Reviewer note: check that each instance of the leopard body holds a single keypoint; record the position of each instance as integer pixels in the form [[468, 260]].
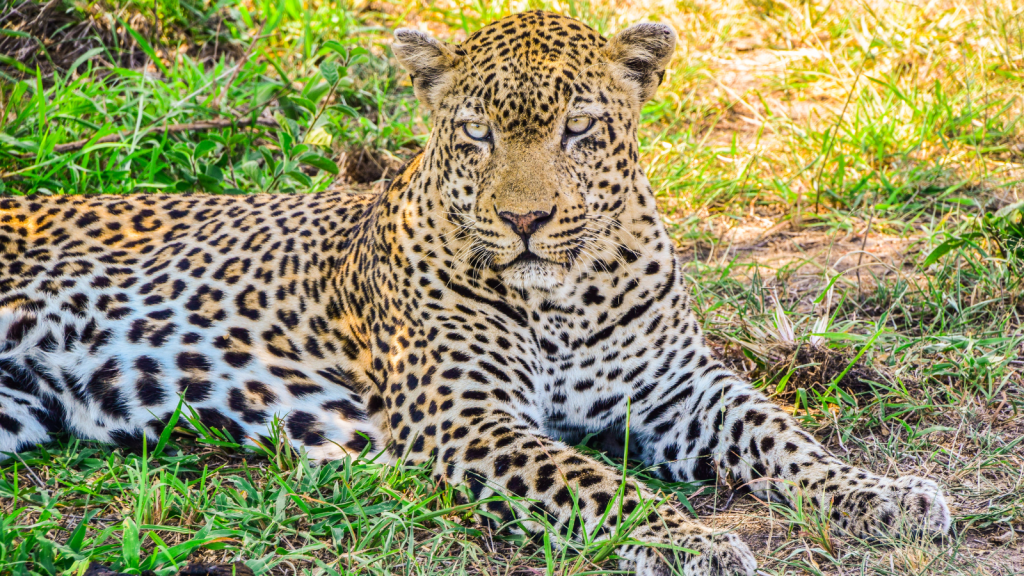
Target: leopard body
[[512, 290]]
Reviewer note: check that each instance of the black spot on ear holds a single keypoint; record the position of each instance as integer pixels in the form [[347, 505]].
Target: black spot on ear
[[643, 51]]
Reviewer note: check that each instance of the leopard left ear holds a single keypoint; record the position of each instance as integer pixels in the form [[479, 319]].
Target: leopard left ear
[[428, 60], [639, 55]]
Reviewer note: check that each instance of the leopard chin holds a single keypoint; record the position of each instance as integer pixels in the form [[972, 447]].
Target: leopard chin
[[534, 274]]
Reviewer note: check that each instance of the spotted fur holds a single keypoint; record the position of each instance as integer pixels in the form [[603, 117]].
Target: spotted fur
[[507, 294]]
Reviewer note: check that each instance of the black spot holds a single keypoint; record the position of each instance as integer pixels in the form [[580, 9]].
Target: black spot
[[237, 359], [195, 389], [563, 497], [238, 402], [601, 500], [147, 365], [502, 464], [51, 415], [160, 337], [19, 328], [671, 452], [705, 469], [149, 391], [755, 417], [359, 443], [477, 452], [346, 409], [265, 394], [213, 418], [138, 330], [737, 430], [299, 390], [9, 424], [593, 296], [193, 361], [305, 427], [131, 439], [517, 487], [17, 377], [103, 387]]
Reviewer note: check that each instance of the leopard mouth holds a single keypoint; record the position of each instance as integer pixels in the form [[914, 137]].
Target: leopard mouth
[[528, 271], [528, 258]]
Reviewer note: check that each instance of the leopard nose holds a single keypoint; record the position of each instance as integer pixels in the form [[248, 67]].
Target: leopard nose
[[526, 224]]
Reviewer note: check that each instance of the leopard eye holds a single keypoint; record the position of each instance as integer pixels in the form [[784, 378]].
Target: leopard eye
[[579, 124], [477, 131]]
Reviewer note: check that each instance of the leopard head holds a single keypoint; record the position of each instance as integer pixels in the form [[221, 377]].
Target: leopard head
[[533, 152]]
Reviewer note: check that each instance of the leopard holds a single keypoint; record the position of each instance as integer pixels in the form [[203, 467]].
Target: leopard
[[512, 290]]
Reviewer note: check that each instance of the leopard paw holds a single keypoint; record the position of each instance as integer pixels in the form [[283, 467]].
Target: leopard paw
[[906, 505], [718, 554]]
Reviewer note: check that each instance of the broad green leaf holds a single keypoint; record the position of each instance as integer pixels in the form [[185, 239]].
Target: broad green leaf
[[304, 103], [204, 148], [346, 110], [318, 137], [317, 161], [330, 72], [336, 47], [300, 177]]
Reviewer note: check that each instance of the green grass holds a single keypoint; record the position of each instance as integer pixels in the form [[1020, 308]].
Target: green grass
[[207, 499], [871, 147]]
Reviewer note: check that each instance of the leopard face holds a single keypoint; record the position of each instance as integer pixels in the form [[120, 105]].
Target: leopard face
[[534, 145]]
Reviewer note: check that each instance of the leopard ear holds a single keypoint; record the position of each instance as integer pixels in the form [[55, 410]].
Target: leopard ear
[[428, 60], [639, 55]]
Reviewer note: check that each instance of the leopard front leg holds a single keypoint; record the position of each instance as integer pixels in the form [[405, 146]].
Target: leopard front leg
[[484, 436], [721, 425], [491, 450]]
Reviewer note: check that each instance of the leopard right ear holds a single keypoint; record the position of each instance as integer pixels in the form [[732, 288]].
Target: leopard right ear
[[428, 60], [639, 55]]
